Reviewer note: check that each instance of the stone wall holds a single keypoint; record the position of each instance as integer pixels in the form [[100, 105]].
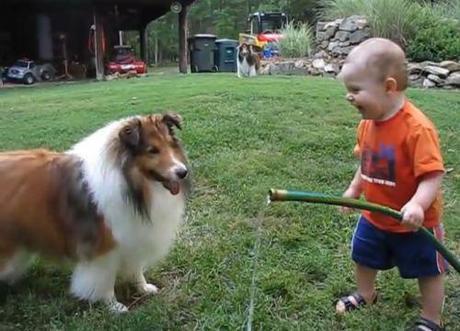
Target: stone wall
[[337, 38], [334, 41], [445, 74]]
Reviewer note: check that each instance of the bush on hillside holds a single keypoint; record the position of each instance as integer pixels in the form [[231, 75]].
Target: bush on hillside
[[437, 39], [297, 40]]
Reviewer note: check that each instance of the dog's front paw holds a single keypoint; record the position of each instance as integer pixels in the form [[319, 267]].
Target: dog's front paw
[[117, 307], [148, 289]]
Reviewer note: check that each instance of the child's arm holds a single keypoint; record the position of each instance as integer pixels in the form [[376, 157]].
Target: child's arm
[[354, 190], [427, 190]]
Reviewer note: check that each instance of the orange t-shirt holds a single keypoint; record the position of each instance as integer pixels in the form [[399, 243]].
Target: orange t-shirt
[[394, 154]]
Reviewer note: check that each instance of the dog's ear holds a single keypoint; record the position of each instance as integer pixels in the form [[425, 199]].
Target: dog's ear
[[172, 120], [130, 134]]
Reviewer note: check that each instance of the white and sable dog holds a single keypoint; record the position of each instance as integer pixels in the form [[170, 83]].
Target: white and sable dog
[[248, 61], [112, 203]]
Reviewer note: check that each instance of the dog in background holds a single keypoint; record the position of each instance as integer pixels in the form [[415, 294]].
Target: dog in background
[[112, 203], [248, 61]]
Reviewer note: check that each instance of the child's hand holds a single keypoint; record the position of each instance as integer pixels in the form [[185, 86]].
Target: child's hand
[[353, 193], [413, 215]]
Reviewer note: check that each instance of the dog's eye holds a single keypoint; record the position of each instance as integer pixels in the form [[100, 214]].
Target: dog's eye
[[152, 150]]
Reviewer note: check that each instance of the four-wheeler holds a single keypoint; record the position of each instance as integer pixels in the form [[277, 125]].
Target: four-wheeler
[[28, 71]]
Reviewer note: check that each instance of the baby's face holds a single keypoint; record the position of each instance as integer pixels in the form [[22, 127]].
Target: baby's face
[[365, 92]]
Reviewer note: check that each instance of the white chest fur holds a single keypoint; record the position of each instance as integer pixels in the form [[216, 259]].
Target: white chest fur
[[143, 241], [149, 240], [245, 69]]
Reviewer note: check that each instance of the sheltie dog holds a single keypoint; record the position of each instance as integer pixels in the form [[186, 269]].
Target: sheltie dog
[[248, 61], [112, 203]]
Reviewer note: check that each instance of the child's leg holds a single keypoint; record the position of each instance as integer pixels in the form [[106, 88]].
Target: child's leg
[[365, 280], [432, 290], [417, 258], [370, 254]]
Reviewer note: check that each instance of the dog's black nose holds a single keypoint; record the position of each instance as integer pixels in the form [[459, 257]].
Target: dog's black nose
[[181, 173]]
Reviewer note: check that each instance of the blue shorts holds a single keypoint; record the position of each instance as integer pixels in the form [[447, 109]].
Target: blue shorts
[[411, 252]]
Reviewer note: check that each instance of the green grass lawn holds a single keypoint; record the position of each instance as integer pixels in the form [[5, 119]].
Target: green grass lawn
[[242, 137]]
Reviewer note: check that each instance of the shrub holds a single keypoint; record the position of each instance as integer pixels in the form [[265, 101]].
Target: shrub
[[448, 9], [333, 9], [297, 40], [436, 39], [393, 19]]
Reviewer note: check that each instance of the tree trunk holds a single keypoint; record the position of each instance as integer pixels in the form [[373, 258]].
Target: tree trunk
[[183, 33], [98, 44], [156, 50]]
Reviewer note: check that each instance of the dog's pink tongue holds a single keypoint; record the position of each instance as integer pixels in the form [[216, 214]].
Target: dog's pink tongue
[[173, 187]]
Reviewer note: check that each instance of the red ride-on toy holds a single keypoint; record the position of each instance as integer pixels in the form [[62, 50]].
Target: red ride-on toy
[[124, 60]]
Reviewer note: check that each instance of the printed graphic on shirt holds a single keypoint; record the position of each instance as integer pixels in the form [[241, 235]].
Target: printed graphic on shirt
[[378, 167]]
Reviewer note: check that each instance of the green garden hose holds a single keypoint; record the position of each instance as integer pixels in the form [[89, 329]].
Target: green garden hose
[[287, 195]]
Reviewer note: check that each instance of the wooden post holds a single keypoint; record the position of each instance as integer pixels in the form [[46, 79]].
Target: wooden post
[[144, 44], [98, 45], [183, 47]]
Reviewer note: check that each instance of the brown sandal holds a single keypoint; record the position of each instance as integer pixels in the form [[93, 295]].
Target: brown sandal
[[352, 302]]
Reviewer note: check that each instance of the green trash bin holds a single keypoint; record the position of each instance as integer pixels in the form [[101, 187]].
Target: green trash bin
[[202, 48], [225, 55]]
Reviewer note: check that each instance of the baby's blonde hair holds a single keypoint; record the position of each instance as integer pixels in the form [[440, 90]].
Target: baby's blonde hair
[[383, 58]]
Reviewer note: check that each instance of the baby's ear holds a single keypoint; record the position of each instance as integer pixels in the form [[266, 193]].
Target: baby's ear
[[391, 85]]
